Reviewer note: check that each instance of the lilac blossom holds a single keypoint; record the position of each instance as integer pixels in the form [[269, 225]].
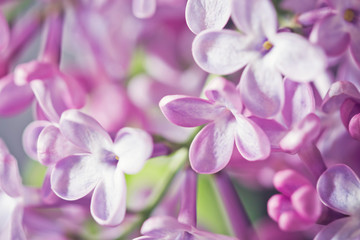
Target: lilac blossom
[[337, 27], [211, 149], [298, 207], [100, 166], [265, 53], [338, 189]]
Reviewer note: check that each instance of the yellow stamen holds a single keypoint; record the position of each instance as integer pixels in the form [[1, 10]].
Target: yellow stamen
[[267, 45], [349, 15], [117, 158]]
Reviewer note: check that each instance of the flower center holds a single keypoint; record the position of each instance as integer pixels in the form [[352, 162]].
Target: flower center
[[116, 157], [267, 45], [349, 15]]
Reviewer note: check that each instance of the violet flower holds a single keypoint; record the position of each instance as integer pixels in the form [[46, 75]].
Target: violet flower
[[338, 27], [298, 207], [211, 149], [266, 54], [339, 189], [101, 165]]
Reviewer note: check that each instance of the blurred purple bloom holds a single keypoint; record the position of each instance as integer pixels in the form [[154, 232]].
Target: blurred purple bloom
[[266, 54], [339, 189], [211, 149], [100, 166], [298, 207], [338, 28]]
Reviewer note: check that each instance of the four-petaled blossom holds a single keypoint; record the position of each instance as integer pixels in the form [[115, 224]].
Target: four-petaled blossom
[[339, 189], [266, 53], [338, 28], [100, 166], [298, 207], [211, 149]]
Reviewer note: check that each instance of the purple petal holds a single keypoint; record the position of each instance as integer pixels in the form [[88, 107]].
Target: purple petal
[[223, 92], [290, 221], [273, 130], [10, 180], [306, 203], [162, 226], [34, 70], [41, 90], [75, 176], [13, 98], [17, 230], [108, 204], [7, 208], [255, 17], [84, 131], [297, 58], [297, 6], [212, 147], [262, 89], [4, 33], [339, 189], [288, 181], [188, 111], [354, 127], [277, 205], [355, 46], [299, 102], [210, 14], [301, 134], [344, 228], [250, 139], [143, 8], [52, 146], [133, 147], [337, 94], [331, 35], [222, 52], [31, 135], [202, 235]]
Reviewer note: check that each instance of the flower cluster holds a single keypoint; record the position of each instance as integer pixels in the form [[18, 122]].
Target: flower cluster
[[180, 119]]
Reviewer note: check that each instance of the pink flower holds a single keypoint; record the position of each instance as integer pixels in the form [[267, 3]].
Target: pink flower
[[211, 149], [101, 165], [298, 207]]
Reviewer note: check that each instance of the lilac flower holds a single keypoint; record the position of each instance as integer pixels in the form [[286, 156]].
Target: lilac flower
[[100, 166], [211, 149], [346, 97], [266, 54], [338, 28], [298, 207], [339, 189]]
